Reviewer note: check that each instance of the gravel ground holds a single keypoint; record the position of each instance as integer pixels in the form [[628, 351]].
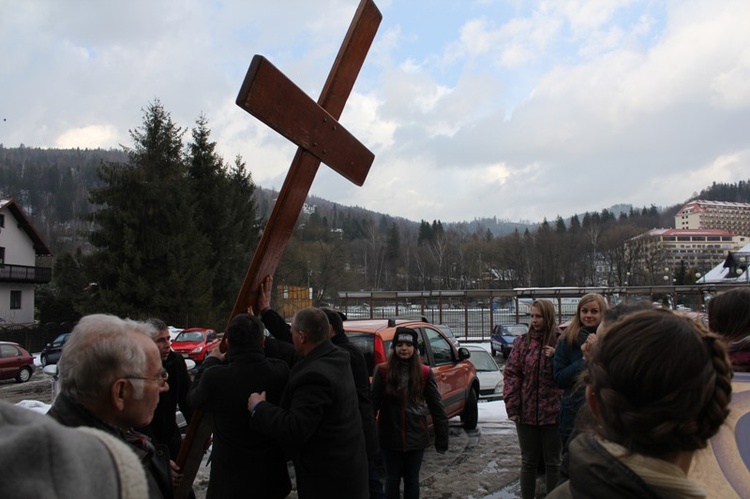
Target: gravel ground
[[479, 464]]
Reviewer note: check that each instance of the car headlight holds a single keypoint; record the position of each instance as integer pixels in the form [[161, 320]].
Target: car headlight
[[197, 350], [499, 387]]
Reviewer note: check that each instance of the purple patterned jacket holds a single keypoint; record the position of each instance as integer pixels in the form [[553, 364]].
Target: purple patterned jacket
[[529, 391]]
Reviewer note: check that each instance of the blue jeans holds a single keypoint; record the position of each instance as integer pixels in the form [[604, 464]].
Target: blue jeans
[[400, 464]]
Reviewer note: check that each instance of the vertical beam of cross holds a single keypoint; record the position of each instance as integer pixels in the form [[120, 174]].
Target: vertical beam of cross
[[271, 97]]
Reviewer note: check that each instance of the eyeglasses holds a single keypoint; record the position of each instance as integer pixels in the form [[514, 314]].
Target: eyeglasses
[[161, 378]]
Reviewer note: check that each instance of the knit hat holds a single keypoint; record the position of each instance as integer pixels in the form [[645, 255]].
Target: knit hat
[[404, 335], [40, 457]]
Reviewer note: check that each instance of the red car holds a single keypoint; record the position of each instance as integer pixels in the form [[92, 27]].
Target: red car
[[454, 373], [15, 362], [195, 343]]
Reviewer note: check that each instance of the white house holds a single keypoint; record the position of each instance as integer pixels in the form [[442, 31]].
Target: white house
[[19, 246]]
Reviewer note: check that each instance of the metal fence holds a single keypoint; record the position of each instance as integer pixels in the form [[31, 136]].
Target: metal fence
[[33, 337], [472, 314]]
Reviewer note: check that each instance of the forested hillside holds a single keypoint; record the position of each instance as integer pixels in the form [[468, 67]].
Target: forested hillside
[[167, 227]]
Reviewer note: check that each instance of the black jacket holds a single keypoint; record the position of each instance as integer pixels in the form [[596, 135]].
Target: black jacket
[[154, 457], [279, 345], [595, 473], [244, 462], [402, 427], [362, 384], [318, 422], [279, 348], [163, 428]]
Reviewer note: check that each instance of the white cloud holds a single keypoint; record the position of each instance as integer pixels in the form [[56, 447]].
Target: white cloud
[[88, 137], [509, 109]]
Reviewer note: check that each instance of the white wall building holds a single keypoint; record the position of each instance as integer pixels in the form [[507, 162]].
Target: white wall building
[[661, 252], [19, 246], [724, 215]]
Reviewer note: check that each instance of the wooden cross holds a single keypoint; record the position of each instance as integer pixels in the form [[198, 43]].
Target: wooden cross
[[272, 98]]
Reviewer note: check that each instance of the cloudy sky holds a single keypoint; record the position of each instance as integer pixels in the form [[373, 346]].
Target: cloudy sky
[[473, 108]]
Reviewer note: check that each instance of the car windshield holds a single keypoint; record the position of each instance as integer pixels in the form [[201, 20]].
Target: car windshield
[[60, 340], [189, 336], [446, 330], [365, 342], [516, 330], [482, 360]]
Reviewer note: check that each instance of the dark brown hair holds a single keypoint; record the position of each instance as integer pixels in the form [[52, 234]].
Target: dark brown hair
[[415, 385], [662, 382], [729, 314]]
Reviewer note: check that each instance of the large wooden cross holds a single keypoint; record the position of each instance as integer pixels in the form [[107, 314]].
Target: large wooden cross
[[272, 98]]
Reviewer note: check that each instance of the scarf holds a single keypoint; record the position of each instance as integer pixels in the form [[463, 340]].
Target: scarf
[[666, 478]]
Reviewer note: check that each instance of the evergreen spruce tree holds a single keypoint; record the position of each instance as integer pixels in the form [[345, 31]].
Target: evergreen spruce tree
[[226, 214], [150, 257]]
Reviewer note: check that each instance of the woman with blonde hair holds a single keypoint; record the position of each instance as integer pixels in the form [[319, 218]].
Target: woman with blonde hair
[[569, 359], [532, 400], [658, 387]]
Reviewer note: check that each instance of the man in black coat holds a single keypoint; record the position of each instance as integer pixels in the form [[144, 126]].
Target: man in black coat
[[163, 427], [245, 462], [318, 419], [361, 378]]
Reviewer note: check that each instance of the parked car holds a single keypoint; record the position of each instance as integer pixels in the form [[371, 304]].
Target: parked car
[[503, 336], [173, 332], [195, 343], [15, 362], [51, 353], [455, 375], [448, 332], [488, 372]]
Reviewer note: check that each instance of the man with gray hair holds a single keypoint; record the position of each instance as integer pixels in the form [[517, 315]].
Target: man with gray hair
[[110, 379], [163, 428], [318, 419]]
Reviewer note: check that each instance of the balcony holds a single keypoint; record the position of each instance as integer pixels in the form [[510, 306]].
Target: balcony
[[25, 274]]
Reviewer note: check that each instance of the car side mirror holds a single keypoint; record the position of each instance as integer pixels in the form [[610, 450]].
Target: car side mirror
[[463, 353]]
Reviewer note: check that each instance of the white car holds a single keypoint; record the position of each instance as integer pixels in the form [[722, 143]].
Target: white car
[[173, 332], [488, 372]]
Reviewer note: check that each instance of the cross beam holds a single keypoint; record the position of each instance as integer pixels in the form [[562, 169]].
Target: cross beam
[[318, 139]]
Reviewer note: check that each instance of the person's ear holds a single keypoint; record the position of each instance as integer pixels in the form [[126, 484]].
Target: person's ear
[[118, 393], [593, 403]]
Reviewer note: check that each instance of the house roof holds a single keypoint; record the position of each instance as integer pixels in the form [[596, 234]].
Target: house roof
[[24, 223], [689, 232], [723, 271], [700, 205]]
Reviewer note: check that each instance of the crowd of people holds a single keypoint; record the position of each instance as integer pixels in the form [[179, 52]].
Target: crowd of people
[[617, 405], [301, 395]]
